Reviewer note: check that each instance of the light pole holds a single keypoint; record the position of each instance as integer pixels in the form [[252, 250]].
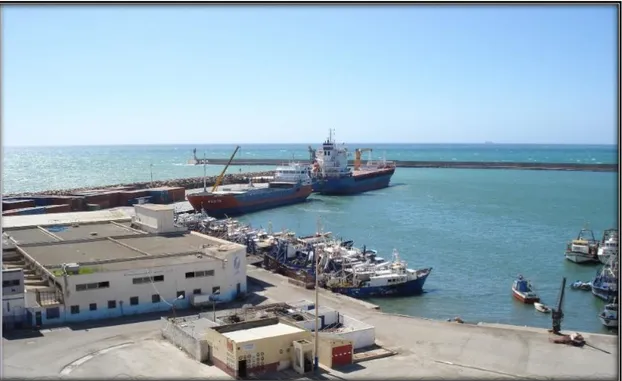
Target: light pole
[[180, 297], [151, 171], [214, 297]]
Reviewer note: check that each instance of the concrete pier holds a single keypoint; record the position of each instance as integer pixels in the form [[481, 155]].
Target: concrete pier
[[454, 164], [128, 348]]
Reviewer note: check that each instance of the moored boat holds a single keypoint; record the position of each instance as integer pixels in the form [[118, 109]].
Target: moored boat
[[332, 176], [523, 291], [608, 246], [392, 279], [605, 284], [579, 285], [291, 185], [542, 308], [609, 315], [583, 249]]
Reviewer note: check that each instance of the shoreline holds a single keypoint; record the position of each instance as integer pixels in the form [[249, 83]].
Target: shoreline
[[451, 164]]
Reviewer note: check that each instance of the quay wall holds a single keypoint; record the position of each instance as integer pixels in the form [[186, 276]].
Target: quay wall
[[187, 183], [454, 164]]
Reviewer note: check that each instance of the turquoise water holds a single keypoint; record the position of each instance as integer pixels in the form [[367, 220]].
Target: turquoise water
[[477, 228], [43, 168]]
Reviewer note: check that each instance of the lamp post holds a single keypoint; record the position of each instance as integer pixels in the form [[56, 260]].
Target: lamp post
[[151, 171], [180, 297], [214, 297]]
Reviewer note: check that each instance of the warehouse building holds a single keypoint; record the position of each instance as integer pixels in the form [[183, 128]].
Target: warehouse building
[[106, 269], [13, 298]]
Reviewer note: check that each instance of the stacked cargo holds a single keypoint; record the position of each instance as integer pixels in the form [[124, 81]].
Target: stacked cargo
[[11, 204], [61, 208], [103, 199], [127, 195], [167, 195], [25, 211]]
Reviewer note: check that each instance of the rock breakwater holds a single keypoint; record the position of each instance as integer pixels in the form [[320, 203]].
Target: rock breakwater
[[187, 183]]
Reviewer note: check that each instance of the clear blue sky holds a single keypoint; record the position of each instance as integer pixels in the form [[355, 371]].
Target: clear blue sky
[[205, 74]]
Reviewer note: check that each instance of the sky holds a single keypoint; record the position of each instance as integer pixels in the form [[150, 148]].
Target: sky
[[101, 75]]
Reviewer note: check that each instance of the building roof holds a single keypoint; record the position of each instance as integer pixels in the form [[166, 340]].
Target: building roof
[[70, 232], [259, 333], [116, 214], [55, 254]]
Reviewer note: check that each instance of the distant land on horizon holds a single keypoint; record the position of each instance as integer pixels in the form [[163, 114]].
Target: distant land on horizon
[[487, 143]]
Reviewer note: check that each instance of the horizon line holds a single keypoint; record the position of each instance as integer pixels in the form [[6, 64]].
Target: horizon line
[[307, 143]]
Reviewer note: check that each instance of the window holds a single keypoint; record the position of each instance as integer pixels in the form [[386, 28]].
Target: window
[[112, 304], [196, 291], [198, 274], [93, 307], [75, 310], [181, 294], [216, 290], [10, 283], [52, 313], [92, 286], [148, 279], [155, 298], [134, 301]]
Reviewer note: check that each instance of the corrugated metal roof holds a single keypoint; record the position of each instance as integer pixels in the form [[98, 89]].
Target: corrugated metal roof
[[259, 333], [116, 214]]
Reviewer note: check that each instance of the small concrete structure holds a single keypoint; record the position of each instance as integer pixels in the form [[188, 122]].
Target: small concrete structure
[[108, 269], [13, 298]]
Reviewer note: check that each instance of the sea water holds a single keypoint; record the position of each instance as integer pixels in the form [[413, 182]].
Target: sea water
[[478, 229]]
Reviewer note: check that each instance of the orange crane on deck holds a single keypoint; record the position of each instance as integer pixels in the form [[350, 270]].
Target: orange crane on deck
[[357, 157]]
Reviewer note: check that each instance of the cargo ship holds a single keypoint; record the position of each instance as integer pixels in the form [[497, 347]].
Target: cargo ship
[[332, 176], [291, 185]]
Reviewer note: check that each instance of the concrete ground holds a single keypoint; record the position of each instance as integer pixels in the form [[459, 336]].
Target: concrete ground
[[425, 348]]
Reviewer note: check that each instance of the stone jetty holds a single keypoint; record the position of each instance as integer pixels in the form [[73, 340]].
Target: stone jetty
[[187, 183]]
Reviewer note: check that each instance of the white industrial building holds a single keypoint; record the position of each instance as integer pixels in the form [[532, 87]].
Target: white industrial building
[[105, 269], [13, 298]]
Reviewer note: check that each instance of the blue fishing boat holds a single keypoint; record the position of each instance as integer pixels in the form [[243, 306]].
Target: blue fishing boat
[[605, 284], [332, 176], [393, 279]]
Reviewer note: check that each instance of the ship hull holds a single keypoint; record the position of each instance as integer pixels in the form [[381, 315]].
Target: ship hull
[[580, 257], [521, 297], [236, 204], [605, 294], [361, 181], [410, 288]]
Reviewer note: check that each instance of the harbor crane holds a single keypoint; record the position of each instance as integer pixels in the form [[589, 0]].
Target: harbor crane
[[557, 315], [357, 157], [222, 174]]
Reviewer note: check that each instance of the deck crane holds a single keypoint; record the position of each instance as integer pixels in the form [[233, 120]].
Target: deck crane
[[222, 174], [557, 315], [357, 157]]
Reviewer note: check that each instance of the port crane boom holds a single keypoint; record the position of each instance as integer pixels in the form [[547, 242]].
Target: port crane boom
[[222, 174], [357, 157]]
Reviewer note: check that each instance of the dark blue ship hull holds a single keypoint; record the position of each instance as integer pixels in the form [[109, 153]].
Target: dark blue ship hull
[[357, 183], [605, 294], [413, 287]]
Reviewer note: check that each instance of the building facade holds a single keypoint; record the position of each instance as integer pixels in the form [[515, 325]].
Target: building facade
[[13, 298]]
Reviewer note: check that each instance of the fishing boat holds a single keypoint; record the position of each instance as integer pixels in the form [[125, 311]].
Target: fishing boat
[[332, 176], [542, 308], [609, 315], [291, 185], [392, 279], [583, 249], [608, 246], [579, 285], [605, 284], [523, 291]]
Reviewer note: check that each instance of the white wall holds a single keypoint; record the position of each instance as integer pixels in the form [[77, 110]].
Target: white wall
[[122, 287], [330, 316], [155, 219], [362, 335]]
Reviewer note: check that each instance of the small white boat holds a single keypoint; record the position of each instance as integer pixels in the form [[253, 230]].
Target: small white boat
[[609, 316], [542, 308], [609, 246], [578, 285], [584, 248]]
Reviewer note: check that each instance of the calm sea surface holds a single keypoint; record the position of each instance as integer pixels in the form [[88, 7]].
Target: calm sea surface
[[478, 229]]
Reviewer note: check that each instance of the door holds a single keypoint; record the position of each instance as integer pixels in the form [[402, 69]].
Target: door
[[38, 320], [342, 355], [242, 368]]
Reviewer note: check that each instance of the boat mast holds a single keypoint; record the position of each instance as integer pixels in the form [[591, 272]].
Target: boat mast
[[204, 170]]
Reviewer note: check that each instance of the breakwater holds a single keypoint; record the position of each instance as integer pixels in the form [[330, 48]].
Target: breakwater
[[454, 164], [187, 183]]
